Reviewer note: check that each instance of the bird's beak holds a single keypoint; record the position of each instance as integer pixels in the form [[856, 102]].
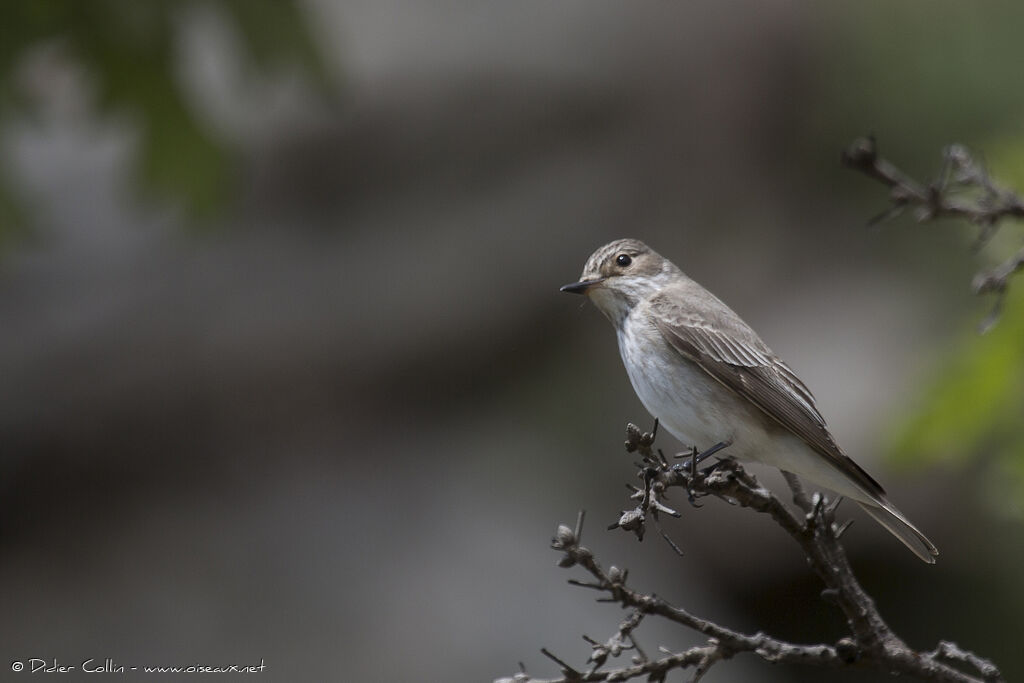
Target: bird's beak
[[580, 287]]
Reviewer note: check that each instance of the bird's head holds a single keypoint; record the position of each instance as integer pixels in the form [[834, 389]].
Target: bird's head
[[620, 274]]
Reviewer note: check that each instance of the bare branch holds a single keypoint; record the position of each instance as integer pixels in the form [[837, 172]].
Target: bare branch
[[964, 190], [996, 281], [952, 652], [871, 643]]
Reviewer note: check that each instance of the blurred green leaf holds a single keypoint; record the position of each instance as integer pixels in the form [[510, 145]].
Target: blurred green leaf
[[972, 410], [975, 401], [12, 216], [274, 33], [128, 49]]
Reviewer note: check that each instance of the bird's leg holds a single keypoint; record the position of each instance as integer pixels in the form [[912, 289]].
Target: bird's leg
[[691, 493], [695, 459]]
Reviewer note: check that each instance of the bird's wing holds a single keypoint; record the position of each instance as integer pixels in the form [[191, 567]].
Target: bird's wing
[[728, 350]]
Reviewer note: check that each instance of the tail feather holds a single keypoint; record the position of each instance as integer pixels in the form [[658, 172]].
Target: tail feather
[[899, 526]]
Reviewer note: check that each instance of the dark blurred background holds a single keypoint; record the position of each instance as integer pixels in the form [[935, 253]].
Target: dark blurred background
[[286, 373]]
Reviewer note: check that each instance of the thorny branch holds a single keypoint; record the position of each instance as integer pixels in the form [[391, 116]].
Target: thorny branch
[[870, 645], [963, 190]]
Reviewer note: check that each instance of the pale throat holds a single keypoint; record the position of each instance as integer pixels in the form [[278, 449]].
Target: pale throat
[[618, 300]]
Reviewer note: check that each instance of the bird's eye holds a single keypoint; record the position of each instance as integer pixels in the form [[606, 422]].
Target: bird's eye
[[623, 260]]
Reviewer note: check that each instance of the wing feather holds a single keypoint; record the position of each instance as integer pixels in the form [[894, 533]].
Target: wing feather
[[729, 351]]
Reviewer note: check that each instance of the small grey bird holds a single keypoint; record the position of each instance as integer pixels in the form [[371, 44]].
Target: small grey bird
[[710, 380]]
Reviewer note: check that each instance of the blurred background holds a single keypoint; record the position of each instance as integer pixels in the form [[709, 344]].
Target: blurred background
[[286, 373]]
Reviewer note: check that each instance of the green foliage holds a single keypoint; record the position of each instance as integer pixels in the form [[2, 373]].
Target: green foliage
[[11, 214], [128, 49], [973, 408], [973, 405], [275, 31], [923, 74]]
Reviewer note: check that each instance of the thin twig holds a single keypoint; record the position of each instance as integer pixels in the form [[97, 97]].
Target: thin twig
[[963, 190], [871, 644]]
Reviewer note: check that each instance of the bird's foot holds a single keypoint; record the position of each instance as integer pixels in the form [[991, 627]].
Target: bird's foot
[[690, 467]]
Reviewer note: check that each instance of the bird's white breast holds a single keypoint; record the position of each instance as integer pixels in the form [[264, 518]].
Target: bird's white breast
[[701, 412], [682, 396], [697, 409]]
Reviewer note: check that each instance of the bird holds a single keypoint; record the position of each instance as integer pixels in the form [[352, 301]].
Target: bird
[[708, 378]]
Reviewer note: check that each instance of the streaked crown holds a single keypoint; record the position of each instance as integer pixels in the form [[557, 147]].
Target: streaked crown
[[622, 257]]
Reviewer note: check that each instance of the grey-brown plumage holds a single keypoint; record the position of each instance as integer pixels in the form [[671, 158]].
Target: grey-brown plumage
[[729, 351], [709, 378]]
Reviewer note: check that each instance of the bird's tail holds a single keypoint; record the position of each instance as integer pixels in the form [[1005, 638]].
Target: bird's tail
[[886, 514]]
